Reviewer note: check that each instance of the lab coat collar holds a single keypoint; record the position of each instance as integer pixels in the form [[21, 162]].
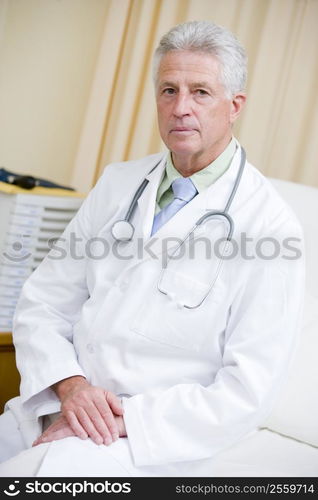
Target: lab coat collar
[[147, 201]]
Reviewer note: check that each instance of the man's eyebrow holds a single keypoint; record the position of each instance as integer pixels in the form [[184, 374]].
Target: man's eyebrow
[[203, 84], [200, 84], [166, 83]]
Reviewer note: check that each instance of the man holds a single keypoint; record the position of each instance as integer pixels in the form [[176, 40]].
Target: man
[[162, 368]]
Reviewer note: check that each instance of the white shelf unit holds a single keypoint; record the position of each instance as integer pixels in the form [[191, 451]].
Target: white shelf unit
[[27, 223]]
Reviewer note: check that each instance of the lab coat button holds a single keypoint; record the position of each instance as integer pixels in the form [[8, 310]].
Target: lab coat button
[[90, 348]]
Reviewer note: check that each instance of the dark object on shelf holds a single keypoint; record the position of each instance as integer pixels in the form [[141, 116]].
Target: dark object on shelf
[[28, 181]]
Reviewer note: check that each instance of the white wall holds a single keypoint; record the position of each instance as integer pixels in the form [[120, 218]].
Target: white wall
[[48, 52]]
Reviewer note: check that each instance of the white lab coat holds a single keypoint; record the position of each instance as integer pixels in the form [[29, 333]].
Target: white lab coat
[[197, 379]]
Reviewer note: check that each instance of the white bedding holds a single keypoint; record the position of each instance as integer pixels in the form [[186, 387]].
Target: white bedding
[[262, 454], [268, 454]]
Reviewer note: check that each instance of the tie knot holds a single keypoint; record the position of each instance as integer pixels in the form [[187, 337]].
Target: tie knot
[[183, 189]]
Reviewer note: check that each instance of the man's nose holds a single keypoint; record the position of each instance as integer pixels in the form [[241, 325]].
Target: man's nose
[[182, 105]]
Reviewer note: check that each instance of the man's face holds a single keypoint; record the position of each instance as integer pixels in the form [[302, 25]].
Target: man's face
[[195, 117]]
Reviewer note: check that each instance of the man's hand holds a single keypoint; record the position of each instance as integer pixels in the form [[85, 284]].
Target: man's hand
[[60, 429], [121, 426], [90, 411]]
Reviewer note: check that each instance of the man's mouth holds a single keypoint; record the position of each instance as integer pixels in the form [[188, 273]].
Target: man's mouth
[[182, 130]]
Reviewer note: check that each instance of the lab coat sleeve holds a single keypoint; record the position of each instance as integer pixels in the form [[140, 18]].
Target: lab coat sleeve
[[49, 306], [190, 422]]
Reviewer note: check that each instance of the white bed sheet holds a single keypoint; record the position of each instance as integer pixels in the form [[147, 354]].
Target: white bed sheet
[[268, 454], [261, 454]]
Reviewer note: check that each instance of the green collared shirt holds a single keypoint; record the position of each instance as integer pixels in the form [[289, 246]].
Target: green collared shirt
[[201, 179]]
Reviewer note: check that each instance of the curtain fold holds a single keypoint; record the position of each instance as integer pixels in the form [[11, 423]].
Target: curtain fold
[[279, 126]]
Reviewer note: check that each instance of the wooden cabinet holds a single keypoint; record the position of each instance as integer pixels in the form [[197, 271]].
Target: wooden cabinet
[[9, 375]]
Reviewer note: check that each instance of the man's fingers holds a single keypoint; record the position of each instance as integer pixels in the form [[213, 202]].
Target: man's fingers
[[37, 441], [91, 411], [75, 425], [101, 425], [53, 436], [114, 403], [58, 430], [108, 419], [91, 422]]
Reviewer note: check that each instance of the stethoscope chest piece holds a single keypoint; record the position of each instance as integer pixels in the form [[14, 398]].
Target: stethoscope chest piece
[[122, 230]]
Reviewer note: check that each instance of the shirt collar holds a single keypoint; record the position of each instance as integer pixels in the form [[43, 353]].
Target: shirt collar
[[203, 178]]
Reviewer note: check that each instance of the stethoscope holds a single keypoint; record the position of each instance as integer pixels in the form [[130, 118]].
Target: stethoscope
[[123, 230]]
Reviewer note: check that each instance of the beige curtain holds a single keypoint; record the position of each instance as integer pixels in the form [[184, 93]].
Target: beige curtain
[[279, 126]]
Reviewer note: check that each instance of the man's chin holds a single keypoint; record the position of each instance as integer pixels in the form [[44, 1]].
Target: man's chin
[[183, 151], [183, 145]]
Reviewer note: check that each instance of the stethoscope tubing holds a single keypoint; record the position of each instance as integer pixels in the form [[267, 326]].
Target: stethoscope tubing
[[211, 213], [143, 185]]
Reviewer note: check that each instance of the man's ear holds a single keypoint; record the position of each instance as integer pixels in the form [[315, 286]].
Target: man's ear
[[237, 104]]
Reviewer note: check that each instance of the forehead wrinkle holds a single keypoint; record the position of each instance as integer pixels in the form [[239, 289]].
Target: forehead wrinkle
[[199, 63]]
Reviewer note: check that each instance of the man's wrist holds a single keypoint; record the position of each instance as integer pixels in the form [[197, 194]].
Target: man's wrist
[[63, 387]]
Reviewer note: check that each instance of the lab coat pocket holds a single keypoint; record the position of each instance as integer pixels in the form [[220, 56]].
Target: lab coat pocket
[[164, 319]]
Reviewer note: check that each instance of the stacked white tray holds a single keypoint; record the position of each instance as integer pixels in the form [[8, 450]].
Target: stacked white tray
[[27, 224]]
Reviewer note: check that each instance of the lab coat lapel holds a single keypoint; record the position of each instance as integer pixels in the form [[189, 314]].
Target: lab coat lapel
[[147, 201], [143, 217], [218, 193]]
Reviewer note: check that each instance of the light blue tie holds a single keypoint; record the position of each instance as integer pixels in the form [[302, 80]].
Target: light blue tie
[[183, 191]]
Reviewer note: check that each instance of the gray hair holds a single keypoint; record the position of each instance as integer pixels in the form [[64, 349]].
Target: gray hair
[[207, 37]]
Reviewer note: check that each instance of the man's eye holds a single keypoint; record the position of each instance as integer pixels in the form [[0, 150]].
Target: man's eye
[[201, 92], [168, 91]]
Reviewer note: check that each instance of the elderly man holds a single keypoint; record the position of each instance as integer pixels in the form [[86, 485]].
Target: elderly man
[[161, 354]]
